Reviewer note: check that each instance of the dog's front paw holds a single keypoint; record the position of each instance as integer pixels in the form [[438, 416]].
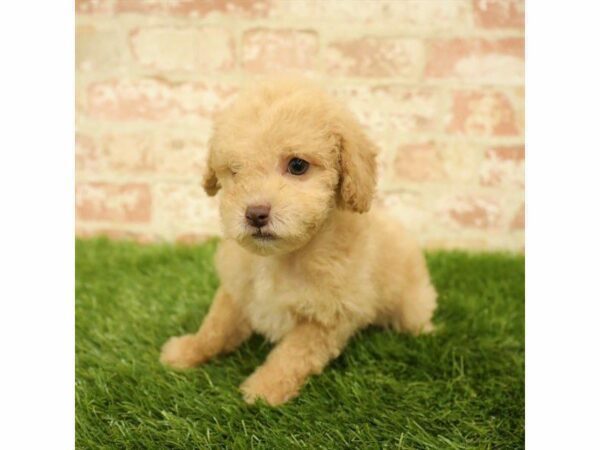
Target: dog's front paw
[[182, 352], [273, 388]]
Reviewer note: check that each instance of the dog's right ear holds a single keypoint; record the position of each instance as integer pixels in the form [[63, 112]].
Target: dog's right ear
[[358, 167], [210, 183]]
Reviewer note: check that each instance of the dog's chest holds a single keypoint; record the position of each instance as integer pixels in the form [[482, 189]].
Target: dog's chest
[[275, 298]]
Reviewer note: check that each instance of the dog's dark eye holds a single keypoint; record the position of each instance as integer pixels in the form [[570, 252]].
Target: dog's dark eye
[[297, 166]]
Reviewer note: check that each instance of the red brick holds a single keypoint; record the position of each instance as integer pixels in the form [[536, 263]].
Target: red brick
[[203, 49], [293, 10], [116, 153], [474, 212], [412, 208], [435, 161], [405, 110], [181, 157], [129, 202], [93, 6], [485, 113], [153, 99], [141, 153], [139, 6], [97, 50], [376, 57], [476, 59], [185, 208], [427, 14], [266, 51], [518, 221], [236, 8], [136, 153], [418, 162], [80, 98], [504, 166], [499, 13], [130, 152], [86, 153]]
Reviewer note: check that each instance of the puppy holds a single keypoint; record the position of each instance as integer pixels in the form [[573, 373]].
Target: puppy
[[302, 262]]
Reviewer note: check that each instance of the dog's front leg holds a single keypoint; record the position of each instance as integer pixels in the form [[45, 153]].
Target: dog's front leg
[[224, 328], [306, 350]]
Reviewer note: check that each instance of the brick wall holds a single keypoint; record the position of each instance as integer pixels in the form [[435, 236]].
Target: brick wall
[[438, 84]]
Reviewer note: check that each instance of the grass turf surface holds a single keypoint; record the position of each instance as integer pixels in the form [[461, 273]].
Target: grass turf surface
[[460, 388]]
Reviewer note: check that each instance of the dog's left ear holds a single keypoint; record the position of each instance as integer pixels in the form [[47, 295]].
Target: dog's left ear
[[210, 182], [358, 166]]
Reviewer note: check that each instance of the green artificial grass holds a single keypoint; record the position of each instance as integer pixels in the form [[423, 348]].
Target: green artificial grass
[[461, 388]]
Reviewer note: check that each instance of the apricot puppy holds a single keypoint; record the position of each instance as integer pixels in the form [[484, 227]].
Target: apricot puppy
[[302, 262]]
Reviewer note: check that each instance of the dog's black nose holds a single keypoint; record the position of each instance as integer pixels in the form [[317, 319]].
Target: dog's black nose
[[258, 215]]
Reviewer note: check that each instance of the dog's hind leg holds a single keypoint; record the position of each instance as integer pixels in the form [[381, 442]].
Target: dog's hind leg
[[412, 310]]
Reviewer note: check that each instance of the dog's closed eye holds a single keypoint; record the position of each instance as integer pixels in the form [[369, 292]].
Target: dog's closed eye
[[233, 169]]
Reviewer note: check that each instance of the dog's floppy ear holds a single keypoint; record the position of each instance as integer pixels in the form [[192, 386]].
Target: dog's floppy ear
[[358, 166], [210, 182]]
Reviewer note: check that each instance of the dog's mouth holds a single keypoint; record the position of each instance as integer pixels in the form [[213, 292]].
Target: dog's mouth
[[263, 236]]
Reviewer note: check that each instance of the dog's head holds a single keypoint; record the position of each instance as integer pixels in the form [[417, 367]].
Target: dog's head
[[285, 154]]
